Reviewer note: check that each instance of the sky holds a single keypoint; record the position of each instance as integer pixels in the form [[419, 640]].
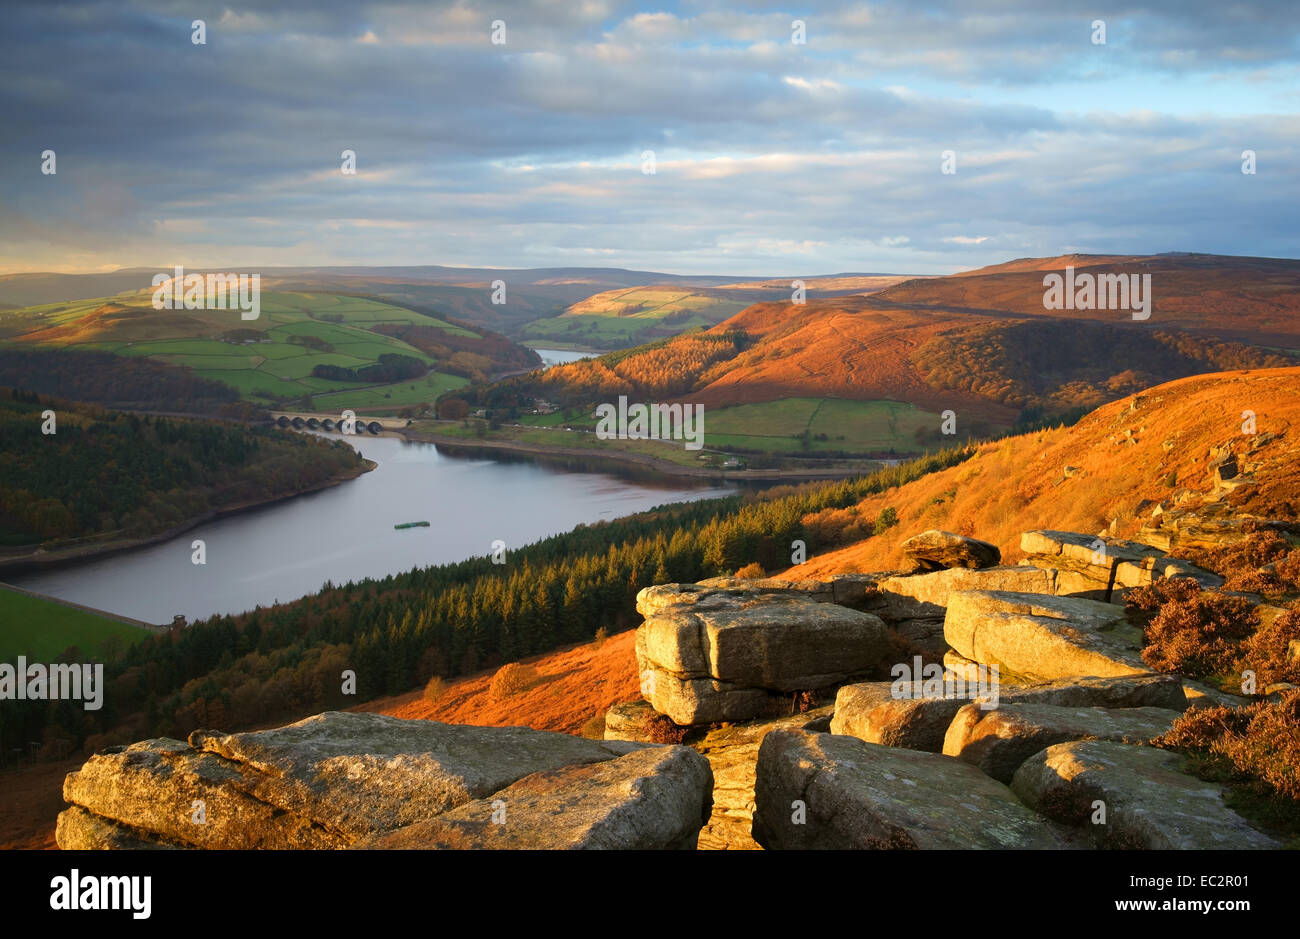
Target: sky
[[770, 156]]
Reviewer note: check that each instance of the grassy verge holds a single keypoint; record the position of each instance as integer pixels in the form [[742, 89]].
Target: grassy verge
[[41, 629]]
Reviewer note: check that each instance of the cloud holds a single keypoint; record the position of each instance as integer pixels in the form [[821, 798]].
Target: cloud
[[530, 152]]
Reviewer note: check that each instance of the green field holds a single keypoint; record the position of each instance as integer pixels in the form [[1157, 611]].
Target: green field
[[619, 319], [379, 400], [41, 630], [854, 426], [669, 450], [607, 332], [778, 426], [269, 367]]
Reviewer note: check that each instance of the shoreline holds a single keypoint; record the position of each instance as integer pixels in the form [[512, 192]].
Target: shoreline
[[639, 460], [51, 560]]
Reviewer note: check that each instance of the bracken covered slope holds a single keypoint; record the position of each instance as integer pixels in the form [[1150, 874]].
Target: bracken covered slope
[[1114, 466]]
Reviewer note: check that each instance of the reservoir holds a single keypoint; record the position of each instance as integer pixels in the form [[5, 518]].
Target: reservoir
[[289, 549], [562, 356]]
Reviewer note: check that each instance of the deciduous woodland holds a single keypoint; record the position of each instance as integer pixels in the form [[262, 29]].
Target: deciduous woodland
[[119, 475]]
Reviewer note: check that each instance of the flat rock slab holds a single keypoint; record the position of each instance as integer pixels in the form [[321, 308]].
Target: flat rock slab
[[997, 741], [819, 590], [1037, 637], [1201, 695], [649, 799], [360, 773], [1150, 690], [720, 655], [1150, 802], [324, 782], [855, 795], [937, 550], [152, 787]]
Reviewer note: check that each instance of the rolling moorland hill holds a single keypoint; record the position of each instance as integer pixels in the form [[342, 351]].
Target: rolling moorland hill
[[1110, 471], [980, 344], [1252, 300], [578, 306], [561, 285], [350, 351], [618, 319]]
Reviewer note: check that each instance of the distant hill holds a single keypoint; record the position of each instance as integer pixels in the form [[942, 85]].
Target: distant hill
[[1253, 300], [630, 316], [343, 351], [535, 294], [980, 344]]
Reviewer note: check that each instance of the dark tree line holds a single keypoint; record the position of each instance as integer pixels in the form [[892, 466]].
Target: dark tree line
[[390, 367], [119, 381]]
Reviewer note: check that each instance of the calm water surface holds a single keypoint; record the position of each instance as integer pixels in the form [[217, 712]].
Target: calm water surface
[[286, 550], [562, 356]]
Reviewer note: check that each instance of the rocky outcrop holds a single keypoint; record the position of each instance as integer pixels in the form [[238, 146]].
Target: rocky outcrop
[[999, 740], [1036, 637], [710, 654], [936, 550], [338, 778], [828, 791], [914, 605], [1101, 568], [919, 717], [1124, 796], [926, 595]]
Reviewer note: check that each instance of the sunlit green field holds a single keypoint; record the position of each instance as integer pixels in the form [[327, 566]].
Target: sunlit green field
[[622, 318], [272, 366], [779, 426], [383, 398]]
